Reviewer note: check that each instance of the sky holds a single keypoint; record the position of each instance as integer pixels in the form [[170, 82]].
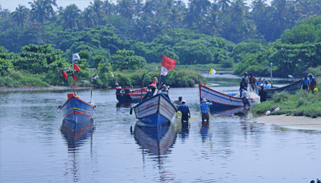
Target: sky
[[81, 4]]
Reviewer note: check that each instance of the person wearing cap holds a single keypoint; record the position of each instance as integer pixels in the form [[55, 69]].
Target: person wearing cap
[[262, 93], [185, 112], [204, 109], [313, 83]]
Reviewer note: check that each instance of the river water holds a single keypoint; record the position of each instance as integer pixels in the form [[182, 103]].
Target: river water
[[227, 149]]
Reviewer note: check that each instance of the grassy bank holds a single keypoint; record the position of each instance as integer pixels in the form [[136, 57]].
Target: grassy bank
[[302, 103], [175, 78]]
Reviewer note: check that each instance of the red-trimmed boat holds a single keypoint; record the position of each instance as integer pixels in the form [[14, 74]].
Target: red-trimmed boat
[[127, 95], [221, 101], [156, 110], [77, 112]]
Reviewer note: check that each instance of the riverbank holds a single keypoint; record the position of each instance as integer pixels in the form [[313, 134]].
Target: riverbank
[[294, 121], [50, 88]]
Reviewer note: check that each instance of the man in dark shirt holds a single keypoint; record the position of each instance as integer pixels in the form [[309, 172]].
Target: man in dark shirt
[[185, 111], [262, 94]]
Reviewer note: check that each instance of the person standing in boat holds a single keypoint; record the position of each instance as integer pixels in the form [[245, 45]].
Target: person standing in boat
[[305, 83], [204, 109], [245, 98], [313, 83], [262, 93], [252, 81], [185, 112], [242, 85]]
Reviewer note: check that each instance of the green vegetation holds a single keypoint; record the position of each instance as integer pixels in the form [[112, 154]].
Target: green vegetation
[[302, 103]]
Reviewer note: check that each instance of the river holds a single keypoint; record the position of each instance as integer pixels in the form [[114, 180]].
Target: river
[[227, 149]]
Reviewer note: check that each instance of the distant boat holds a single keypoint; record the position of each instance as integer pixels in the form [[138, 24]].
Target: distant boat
[[156, 139], [156, 110], [291, 88], [76, 112], [221, 101], [126, 95]]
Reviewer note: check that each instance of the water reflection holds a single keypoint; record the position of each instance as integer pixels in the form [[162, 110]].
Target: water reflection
[[235, 112], [204, 130], [74, 140], [156, 141]]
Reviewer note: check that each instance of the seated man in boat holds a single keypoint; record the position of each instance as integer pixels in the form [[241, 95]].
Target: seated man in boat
[[185, 112], [204, 109], [245, 98]]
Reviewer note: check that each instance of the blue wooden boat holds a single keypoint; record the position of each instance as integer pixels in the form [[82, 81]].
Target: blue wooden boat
[[291, 88], [76, 112], [156, 110], [156, 139], [75, 138], [221, 101], [126, 95]]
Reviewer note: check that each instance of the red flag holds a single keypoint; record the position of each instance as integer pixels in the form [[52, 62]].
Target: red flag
[[76, 67], [74, 76], [168, 63], [65, 74]]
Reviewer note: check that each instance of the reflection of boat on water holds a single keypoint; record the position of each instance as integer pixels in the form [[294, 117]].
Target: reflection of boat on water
[[73, 137], [239, 111], [157, 139], [156, 110], [222, 102]]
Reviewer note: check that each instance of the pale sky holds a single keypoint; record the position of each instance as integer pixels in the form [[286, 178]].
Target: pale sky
[[81, 4]]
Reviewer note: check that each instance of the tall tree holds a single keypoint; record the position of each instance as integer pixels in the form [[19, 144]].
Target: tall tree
[[224, 5], [70, 17], [89, 18], [42, 10], [126, 8], [97, 6], [20, 15]]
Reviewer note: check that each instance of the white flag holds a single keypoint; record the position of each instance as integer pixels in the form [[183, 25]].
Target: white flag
[[75, 56], [164, 71]]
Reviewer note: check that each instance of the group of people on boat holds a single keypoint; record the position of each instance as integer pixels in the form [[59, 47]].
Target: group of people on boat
[[309, 83], [250, 80]]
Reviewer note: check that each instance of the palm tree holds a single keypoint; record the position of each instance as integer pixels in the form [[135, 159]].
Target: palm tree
[[200, 5], [238, 9], [97, 6], [212, 24], [158, 26], [41, 10], [126, 8], [89, 18], [20, 15], [224, 5], [70, 17], [175, 17]]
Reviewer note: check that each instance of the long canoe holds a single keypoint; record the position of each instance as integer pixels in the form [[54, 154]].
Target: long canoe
[[291, 88], [221, 101]]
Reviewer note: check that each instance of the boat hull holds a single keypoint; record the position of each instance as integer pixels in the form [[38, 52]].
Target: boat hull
[[291, 88], [125, 95], [156, 110], [221, 101], [77, 113]]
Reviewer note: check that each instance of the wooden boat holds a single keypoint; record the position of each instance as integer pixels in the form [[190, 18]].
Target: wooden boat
[[221, 101], [291, 88], [76, 112], [156, 139], [74, 138], [156, 110], [127, 95]]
